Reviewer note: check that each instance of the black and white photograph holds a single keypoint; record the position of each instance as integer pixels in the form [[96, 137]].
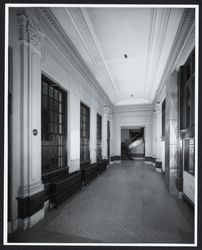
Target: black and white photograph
[[101, 125]]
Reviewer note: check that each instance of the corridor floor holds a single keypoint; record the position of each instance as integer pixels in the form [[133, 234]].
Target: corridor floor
[[128, 203]]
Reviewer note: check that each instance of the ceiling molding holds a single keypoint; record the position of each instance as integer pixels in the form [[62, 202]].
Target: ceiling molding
[[150, 44], [154, 62], [133, 108], [90, 26], [87, 39], [189, 44], [73, 55], [182, 45], [163, 32]]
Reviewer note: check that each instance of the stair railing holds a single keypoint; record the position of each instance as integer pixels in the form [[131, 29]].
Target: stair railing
[[134, 138]]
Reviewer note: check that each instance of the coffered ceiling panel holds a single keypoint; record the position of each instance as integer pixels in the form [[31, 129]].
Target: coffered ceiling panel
[[126, 49]]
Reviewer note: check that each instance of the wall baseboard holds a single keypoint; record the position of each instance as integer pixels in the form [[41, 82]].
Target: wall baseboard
[[30, 205], [12, 226], [158, 164], [188, 202], [28, 222], [116, 158]]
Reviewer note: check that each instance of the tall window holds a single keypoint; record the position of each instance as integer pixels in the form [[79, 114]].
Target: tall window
[[189, 155], [54, 126], [84, 133], [99, 137], [187, 110], [163, 109], [187, 89]]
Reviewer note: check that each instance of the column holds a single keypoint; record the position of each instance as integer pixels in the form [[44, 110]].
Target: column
[[148, 140], [171, 132], [104, 132], [93, 133], [30, 192], [158, 136], [74, 124], [154, 144]]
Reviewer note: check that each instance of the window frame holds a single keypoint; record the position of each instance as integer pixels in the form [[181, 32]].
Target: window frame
[[99, 137], [55, 137], [84, 128], [163, 119]]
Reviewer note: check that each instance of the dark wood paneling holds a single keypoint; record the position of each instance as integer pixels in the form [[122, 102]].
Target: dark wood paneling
[[137, 155], [179, 184], [148, 158], [158, 164], [30, 205], [189, 203], [116, 158]]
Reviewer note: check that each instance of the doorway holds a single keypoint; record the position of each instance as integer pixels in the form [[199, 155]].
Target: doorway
[[132, 143]]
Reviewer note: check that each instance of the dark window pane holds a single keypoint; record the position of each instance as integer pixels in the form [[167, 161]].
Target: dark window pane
[[56, 94], [45, 88], [84, 132], [189, 155], [54, 151], [50, 91], [60, 97]]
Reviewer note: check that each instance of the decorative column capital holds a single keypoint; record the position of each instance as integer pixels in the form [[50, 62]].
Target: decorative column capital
[[22, 27], [29, 33], [106, 109], [35, 37], [157, 107]]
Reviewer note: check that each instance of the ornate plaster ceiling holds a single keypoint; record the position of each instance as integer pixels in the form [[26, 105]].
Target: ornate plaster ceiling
[[104, 35]]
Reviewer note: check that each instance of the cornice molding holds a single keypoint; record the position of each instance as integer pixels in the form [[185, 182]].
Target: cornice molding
[[150, 44], [99, 51], [163, 32], [90, 48], [134, 108], [152, 64], [182, 45], [73, 55]]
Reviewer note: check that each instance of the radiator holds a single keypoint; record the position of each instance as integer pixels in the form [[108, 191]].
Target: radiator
[[62, 188], [89, 173], [102, 166]]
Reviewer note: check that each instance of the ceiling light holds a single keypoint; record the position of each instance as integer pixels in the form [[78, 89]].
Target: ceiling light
[[125, 55], [131, 95]]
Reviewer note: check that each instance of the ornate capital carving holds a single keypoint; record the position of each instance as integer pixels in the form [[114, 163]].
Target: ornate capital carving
[[157, 107], [35, 37], [22, 27], [29, 33], [106, 108]]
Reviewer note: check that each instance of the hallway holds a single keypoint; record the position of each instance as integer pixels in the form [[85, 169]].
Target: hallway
[[128, 203]]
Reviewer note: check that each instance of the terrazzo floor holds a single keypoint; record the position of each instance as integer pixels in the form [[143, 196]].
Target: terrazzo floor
[[128, 203]]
